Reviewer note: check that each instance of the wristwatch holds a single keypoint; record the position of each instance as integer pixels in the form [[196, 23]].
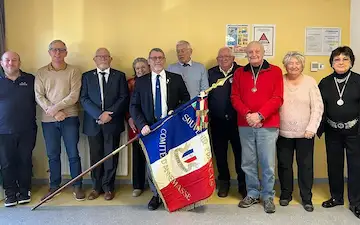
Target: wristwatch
[[260, 116]]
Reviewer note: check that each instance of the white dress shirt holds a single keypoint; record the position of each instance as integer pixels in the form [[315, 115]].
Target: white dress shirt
[[163, 88], [107, 73]]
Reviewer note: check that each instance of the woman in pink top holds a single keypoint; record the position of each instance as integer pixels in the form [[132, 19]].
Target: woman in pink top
[[300, 117]]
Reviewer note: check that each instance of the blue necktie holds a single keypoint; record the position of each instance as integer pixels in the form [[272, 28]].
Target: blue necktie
[[158, 110]]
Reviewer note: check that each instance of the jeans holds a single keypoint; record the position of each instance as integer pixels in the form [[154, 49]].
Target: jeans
[[69, 130], [259, 145]]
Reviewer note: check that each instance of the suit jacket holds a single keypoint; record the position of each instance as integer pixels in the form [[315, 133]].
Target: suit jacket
[[116, 97], [142, 103]]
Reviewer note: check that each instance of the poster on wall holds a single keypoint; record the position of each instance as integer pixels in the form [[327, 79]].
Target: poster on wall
[[321, 40], [265, 34], [237, 38]]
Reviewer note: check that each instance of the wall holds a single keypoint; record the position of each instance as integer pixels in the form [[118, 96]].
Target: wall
[[131, 28]]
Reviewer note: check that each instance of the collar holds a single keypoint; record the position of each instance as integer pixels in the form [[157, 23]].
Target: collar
[[107, 71], [190, 63], [162, 74], [3, 75], [227, 72], [265, 66], [51, 68]]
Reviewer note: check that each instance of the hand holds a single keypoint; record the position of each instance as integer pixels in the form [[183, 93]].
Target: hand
[[309, 134], [253, 119], [259, 125], [170, 112], [60, 116], [105, 117], [145, 130], [132, 125], [51, 111]]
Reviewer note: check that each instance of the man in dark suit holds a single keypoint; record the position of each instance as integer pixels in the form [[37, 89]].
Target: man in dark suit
[[105, 98], [156, 95]]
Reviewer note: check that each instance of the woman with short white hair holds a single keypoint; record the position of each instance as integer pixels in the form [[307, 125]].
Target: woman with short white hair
[[300, 117]]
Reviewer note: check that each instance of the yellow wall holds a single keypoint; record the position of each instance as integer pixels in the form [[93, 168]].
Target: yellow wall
[[131, 28]]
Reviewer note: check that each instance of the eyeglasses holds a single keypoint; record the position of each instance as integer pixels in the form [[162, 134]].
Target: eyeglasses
[[224, 57], [102, 56], [338, 60], [61, 50], [183, 50], [154, 58]]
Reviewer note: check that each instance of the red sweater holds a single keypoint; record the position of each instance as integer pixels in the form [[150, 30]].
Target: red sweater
[[266, 100]]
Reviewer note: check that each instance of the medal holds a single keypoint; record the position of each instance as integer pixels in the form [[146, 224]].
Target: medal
[[340, 102], [255, 77]]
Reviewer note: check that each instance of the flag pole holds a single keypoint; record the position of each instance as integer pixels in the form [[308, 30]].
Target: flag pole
[[220, 82], [86, 171]]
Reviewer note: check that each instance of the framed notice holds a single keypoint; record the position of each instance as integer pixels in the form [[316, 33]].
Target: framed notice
[[321, 41]]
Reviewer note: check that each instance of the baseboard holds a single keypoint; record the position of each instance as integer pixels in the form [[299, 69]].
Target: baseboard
[[233, 182]]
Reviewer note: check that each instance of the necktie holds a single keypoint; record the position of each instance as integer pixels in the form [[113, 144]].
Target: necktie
[[185, 65], [158, 110], [103, 88]]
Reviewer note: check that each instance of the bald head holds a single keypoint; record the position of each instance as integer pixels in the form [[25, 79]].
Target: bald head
[[102, 58], [11, 55], [10, 62], [255, 53]]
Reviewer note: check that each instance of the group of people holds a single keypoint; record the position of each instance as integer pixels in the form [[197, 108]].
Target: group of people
[[261, 111]]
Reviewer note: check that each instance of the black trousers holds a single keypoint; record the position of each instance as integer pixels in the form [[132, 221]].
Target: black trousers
[[335, 145], [103, 176], [16, 161], [305, 162], [139, 166], [223, 131]]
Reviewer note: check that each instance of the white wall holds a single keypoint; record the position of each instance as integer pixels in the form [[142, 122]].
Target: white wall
[[355, 32]]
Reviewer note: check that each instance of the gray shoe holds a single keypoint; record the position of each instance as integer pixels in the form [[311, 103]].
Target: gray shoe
[[248, 201], [137, 192], [269, 206]]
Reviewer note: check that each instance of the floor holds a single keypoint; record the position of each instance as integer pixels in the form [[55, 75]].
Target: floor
[[125, 209]]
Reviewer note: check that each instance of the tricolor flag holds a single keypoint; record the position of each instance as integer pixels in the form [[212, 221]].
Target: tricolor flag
[[179, 153]]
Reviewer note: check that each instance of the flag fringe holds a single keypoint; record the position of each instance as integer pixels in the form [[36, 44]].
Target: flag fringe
[[194, 205]]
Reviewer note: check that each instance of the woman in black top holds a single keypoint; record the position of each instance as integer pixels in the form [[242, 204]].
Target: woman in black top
[[341, 95]]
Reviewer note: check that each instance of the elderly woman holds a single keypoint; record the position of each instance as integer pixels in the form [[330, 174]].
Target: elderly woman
[[341, 95], [300, 117], [141, 67]]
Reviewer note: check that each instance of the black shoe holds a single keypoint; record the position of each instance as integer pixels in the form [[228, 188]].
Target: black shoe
[[355, 210], [332, 202], [308, 206], [24, 197], [223, 189], [154, 203], [10, 201], [284, 202]]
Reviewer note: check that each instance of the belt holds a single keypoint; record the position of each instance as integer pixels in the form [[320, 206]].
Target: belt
[[341, 125]]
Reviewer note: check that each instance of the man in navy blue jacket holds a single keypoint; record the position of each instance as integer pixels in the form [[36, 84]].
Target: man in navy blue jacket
[[223, 123], [17, 129], [105, 98]]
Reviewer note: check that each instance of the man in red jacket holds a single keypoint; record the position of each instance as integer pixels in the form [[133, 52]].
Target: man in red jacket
[[257, 94]]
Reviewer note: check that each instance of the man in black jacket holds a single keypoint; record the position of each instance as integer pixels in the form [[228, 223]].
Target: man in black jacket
[[223, 122], [17, 129], [105, 99], [155, 95]]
